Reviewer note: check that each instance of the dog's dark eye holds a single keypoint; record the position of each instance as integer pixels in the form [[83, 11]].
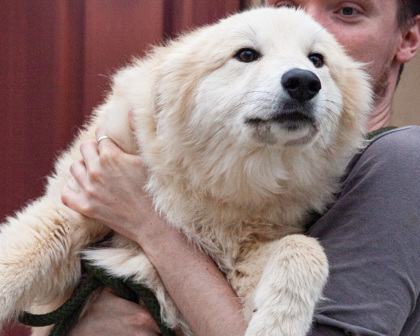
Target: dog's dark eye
[[247, 55], [317, 60]]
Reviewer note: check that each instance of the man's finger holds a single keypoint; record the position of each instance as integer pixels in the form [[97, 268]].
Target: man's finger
[[106, 146], [73, 185], [90, 153], [131, 120], [102, 137], [70, 197], [79, 172]]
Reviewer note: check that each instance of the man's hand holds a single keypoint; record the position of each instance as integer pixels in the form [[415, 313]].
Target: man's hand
[[108, 185], [111, 315]]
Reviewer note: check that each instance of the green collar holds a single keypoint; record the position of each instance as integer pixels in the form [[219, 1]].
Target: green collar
[[373, 134]]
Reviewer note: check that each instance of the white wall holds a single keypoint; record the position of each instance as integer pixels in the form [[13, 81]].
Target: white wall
[[406, 107]]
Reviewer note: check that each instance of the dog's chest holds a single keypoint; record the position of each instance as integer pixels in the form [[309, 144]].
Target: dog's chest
[[230, 242]]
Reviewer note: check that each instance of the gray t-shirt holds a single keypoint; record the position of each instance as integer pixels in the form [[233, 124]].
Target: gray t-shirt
[[371, 236]]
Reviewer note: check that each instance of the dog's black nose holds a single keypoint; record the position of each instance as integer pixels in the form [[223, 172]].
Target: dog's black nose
[[301, 84]]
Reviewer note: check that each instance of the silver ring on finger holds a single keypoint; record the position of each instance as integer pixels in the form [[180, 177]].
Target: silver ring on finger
[[102, 138]]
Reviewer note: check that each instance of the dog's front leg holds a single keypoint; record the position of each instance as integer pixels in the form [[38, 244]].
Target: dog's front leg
[[290, 286], [39, 254]]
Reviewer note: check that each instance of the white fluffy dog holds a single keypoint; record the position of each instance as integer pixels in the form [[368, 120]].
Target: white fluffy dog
[[247, 126]]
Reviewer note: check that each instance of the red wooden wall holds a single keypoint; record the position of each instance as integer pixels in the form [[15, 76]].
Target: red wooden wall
[[56, 58]]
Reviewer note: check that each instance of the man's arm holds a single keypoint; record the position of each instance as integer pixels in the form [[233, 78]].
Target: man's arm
[[198, 288]]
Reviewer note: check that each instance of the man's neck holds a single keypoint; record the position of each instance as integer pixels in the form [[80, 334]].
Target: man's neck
[[381, 114]]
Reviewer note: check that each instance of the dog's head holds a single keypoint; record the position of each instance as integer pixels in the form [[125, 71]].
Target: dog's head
[[232, 101]]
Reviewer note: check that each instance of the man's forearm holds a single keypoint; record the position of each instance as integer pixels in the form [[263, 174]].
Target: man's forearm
[[199, 289]]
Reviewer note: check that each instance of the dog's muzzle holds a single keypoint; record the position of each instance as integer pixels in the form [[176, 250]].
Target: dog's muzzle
[[296, 109]]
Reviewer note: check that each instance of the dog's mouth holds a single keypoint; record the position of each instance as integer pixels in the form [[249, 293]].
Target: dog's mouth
[[297, 124], [289, 120]]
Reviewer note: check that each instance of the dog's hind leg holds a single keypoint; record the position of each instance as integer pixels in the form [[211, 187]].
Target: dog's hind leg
[[39, 254], [291, 284]]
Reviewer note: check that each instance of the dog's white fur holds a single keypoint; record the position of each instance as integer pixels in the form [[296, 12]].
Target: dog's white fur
[[241, 192]]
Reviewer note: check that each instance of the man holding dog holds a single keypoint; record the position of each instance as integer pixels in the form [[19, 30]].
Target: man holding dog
[[370, 234]]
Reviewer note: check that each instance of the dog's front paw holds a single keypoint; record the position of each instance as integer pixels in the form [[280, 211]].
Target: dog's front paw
[[290, 286]]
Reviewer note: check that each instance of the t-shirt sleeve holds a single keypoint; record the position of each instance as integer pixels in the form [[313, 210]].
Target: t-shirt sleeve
[[371, 236]]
